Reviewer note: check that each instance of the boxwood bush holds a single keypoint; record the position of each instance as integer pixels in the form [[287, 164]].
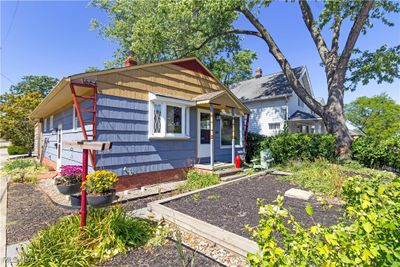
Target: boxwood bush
[[285, 147], [17, 150]]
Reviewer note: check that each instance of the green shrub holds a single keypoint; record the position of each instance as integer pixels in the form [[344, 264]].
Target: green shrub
[[108, 232], [285, 147], [368, 237], [17, 150], [196, 180], [377, 153], [22, 170]]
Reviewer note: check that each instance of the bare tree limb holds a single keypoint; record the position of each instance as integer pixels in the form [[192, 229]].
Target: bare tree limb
[[336, 34], [353, 36], [304, 95], [314, 31], [233, 31]]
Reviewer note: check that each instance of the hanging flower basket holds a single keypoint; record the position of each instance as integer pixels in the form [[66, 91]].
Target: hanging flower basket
[[69, 180], [99, 200], [99, 185]]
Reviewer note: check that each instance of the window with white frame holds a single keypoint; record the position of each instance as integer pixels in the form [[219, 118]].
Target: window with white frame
[[74, 118], [51, 123], [274, 126], [226, 130], [168, 117], [45, 125]]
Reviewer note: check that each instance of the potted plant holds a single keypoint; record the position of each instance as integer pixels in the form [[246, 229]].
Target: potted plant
[[99, 185], [69, 180]]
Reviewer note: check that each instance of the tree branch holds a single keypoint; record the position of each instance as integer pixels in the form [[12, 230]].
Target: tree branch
[[233, 31], [353, 36], [336, 34], [304, 95], [314, 30]]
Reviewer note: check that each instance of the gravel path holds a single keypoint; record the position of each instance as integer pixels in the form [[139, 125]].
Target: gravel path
[[234, 205], [162, 256], [28, 211]]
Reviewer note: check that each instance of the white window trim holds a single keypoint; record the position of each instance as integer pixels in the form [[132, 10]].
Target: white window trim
[[51, 122], [74, 119], [164, 102], [220, 131], [280, 126]]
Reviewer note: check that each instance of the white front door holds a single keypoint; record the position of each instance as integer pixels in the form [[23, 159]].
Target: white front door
[[203, 140], [59, 146]]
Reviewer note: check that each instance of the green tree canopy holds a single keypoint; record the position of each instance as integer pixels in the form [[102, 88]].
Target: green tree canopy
[[156, 30], [16, 106], [31, 83], [377, 116], [163, 30]]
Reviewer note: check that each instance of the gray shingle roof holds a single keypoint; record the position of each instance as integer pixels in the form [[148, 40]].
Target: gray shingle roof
[[301, 115], [269, 86]]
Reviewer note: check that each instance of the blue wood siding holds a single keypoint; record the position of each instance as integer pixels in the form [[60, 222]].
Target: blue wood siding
[[124, 121], [70, 156]]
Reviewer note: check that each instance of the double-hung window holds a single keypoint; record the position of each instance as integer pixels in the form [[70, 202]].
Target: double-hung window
[[168, 117]]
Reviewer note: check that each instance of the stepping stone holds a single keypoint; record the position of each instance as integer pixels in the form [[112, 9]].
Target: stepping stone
[[299, 194]]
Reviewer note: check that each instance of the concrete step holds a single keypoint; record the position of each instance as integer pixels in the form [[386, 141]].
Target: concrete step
[[232, 177], [227, 172], [217, 166]]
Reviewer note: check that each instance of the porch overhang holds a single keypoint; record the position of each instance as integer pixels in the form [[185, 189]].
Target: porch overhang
[[222, 100]]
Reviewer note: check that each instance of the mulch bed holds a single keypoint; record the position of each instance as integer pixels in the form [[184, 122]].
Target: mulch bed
[[140, 203], [28, 211], [160, 256], [234, 205]]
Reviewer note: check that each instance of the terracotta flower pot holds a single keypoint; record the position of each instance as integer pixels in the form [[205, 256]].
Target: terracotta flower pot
[[69, 189], [99, 200]]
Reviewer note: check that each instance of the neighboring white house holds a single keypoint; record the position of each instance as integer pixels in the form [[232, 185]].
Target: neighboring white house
[[273, 103]]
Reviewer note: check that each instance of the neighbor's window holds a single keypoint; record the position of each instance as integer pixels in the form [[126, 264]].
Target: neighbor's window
[[167, 119], [274, 126], [226, 130]]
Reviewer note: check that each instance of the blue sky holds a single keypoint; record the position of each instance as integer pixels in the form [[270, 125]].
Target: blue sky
[[54, 38]]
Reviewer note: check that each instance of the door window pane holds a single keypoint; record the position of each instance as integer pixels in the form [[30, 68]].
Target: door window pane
[[157, 118], [204, 128], [174, 119], [226, 130]]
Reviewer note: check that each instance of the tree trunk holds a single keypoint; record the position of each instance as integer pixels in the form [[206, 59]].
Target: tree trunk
[[336, 124]]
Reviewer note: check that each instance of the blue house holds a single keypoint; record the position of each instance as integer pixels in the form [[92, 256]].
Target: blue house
[[162, 118]]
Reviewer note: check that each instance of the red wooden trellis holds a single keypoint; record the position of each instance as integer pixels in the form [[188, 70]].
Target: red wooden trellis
[[93, 111]]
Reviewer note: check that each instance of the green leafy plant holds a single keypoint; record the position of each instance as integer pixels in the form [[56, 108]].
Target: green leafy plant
[[197, 180], [22, 170], [17, 150], [196, 196], [100, 182], [108, 232], [368, 235]]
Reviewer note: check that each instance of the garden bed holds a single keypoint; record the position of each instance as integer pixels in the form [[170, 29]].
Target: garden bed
[[232, 206], [166, 255], [28, 211]]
